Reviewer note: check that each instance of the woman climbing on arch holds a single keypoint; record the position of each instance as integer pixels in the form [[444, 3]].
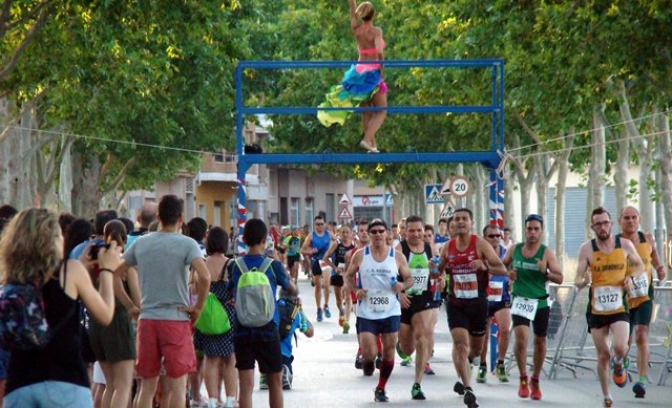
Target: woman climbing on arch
[[362, 84]]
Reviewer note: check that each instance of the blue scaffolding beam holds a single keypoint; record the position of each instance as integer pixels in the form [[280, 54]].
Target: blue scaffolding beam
[[491, 159]]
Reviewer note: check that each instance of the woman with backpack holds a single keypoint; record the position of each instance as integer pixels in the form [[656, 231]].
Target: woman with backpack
[[220, 362], [31, 253]]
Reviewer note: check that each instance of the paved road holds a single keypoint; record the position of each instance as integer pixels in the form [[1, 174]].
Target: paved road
[[325, 377]]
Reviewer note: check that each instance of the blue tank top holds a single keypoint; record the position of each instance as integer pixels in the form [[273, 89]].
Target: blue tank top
[[321, 243]]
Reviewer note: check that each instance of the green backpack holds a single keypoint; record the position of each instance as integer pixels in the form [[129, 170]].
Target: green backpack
[[213, 319], [255, 300]]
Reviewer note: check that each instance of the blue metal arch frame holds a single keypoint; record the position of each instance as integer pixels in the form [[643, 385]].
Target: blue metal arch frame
[[490, 158]]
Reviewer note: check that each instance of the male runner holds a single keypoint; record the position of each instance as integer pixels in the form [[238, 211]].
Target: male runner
[[418, 303], [602, 262], [442, 236], [640, 299], [339, 248], [469, 259], [499, 307], [378, 308], [293, 245], [315, 246], [532, 265]]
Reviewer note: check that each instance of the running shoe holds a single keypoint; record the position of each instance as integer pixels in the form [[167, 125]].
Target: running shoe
[[379, 360], [319, 315], [346, 327], [405, 362], [359, 362], [639, 389], [416, 392], [380, 396], [620, 376], [470, 398], [459, 388], [523, 389], [428, 369], [287, 378], [608, 402], [327, 312], [482, 372], [500, 372], [535, 390], [262, 382], [369, 368]]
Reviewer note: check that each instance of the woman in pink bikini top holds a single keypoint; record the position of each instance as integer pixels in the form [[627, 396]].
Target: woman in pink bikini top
[[370, 45]]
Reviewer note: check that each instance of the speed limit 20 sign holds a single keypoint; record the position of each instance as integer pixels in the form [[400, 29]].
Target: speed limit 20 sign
[[457, 186]]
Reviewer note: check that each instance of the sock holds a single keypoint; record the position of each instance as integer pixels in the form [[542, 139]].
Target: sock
[[379, 343], [641, 378], [359, 351], [608, 396], [523, 377], [385, 371], [484, 364], [535, 378], [500, 362], [471, 360]]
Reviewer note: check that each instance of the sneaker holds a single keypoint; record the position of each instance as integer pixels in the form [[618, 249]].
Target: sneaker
[[327, 312], [416, 392], [212, 403], [359, 362], [346, 327], [500, 372], [262, 382], [535, 393], [470, 398], [482, 372], [639, 389], [608, 402], [379, 361], [230, 402], [523, 390], [369, 368], [380, 396], [620, 376], [287, 378], [459, 388], [408, 361], [198, 403], [428, 369], [319, 315]]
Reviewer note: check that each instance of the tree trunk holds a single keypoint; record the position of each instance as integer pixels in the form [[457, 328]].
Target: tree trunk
[[665, 157], [525, 178], [85, 193], [560, 189], [544, 175], [598, 160], [621, 171], [509, 213]]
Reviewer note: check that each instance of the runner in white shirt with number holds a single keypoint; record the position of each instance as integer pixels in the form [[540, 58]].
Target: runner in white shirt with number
[[378, 308], [532, 265]]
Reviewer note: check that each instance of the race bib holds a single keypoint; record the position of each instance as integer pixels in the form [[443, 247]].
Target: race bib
[[420, 279], [523, 307], [496, 291], [640, 287], [379, 302], [466, 286], [607, 298]]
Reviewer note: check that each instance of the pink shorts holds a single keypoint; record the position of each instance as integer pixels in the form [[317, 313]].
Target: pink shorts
[[167, 341]]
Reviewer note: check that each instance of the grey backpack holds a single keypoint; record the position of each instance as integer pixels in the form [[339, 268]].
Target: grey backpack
[[255, 301]]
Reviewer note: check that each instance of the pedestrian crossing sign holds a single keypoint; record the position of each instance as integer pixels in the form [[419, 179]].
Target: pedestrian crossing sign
[[433, 194]]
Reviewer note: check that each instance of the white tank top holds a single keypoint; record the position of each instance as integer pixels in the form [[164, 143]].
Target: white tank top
[[381, 302]]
